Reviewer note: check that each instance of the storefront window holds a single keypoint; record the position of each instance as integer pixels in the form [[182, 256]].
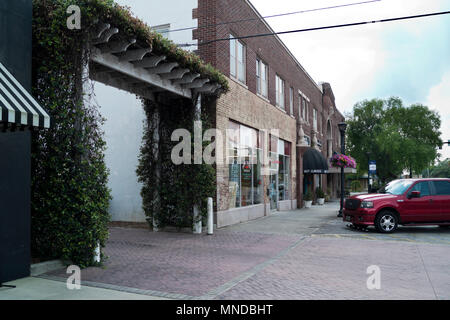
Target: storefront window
[[245, 158], [257, 178], [284, 153], [280, 164]]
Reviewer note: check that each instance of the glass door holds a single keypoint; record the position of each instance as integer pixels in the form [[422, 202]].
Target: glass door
[[273, 189]]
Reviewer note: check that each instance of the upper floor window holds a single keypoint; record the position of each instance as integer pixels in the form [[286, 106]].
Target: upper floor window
[[291, 101], [280, 92], [315, 119], [237, 59], [303, 109], [319, 123], [261, 78]]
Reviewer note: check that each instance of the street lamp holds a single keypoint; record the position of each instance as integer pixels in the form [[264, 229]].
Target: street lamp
[[342, 127]]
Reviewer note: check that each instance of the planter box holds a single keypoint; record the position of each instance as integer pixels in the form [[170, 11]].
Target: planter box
[[308, 204]]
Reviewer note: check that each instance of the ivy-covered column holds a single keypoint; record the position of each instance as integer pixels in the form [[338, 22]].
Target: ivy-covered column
[[156, 123], [170, 190], [70, 195], [198, 157]]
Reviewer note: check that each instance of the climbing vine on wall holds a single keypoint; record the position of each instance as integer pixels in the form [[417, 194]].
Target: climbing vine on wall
[[70, 196], [69, 179], [179, 187]]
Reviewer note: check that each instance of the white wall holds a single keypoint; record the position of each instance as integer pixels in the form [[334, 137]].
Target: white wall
[[124, 113], [157, 12], [123, 134]]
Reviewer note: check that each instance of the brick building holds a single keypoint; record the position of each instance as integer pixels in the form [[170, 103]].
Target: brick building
[[276, 109], [269, 90]]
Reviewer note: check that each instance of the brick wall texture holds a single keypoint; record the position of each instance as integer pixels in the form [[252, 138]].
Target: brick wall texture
[[251, 110], [243, 105]]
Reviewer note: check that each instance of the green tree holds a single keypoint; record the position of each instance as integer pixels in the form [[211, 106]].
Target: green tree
[[440, 170], [399, 138]]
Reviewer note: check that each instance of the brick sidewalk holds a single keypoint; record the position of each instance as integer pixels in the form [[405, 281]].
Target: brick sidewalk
[[177, 263], [302, 254]]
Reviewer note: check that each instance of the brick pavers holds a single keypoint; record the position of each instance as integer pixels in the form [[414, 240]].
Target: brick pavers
[[180, 263], [303, 254]]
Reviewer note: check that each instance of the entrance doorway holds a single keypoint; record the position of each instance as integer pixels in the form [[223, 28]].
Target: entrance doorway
[[308, 183]]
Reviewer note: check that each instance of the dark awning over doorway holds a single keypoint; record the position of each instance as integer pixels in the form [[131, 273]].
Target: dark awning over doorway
[[17, 106], [314, 162]]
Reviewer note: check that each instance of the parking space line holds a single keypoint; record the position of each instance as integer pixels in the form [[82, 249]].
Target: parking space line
[[401, 238], [369, 237]]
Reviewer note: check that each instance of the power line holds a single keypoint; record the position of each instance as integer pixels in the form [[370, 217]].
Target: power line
[[272, 16], [318, 28]]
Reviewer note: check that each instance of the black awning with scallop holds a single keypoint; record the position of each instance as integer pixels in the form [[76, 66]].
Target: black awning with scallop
[[314, 162]]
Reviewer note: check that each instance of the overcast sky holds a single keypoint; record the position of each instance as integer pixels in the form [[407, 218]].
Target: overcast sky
[[407, 59]]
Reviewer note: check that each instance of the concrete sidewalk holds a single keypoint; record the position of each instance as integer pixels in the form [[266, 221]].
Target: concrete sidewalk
[[32, 288], [296, 222]]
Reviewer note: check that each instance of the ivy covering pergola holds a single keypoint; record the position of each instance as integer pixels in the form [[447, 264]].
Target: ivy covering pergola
[[120, 62], [70, 196]]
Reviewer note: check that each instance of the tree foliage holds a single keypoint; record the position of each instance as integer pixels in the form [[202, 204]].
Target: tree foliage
[[399, 138], [440, 170]]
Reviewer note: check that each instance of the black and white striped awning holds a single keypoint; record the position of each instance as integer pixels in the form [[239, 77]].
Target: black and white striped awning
[[17, 106]]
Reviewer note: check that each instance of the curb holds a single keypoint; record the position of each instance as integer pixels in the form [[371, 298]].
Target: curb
[[37, 269]]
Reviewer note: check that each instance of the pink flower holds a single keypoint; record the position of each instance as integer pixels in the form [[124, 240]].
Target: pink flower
[[342, 160]]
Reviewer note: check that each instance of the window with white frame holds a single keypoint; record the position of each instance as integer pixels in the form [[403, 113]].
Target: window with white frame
[[307, 111], [303, 108], [315, 119], [319, 127], [291, 101], [279, 92], [237, 59], [261, 78]]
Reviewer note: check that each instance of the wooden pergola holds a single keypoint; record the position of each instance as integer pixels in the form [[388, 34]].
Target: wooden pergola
[[120, 62]]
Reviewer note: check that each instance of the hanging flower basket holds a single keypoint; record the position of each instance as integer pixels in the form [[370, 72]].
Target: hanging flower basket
[[342, 161]]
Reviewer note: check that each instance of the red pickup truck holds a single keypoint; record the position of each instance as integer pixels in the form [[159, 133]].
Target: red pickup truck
[[401, 202]]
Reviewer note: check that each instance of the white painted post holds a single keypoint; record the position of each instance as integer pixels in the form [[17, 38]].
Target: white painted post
[[197, 225], [210, 216], [97, 256], [198, 155]]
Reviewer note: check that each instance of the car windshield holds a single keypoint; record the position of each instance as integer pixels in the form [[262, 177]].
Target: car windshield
[[399, 187], [388, 186]]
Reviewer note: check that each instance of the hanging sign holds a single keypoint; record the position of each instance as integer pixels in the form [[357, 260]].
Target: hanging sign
[[372, 167]]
